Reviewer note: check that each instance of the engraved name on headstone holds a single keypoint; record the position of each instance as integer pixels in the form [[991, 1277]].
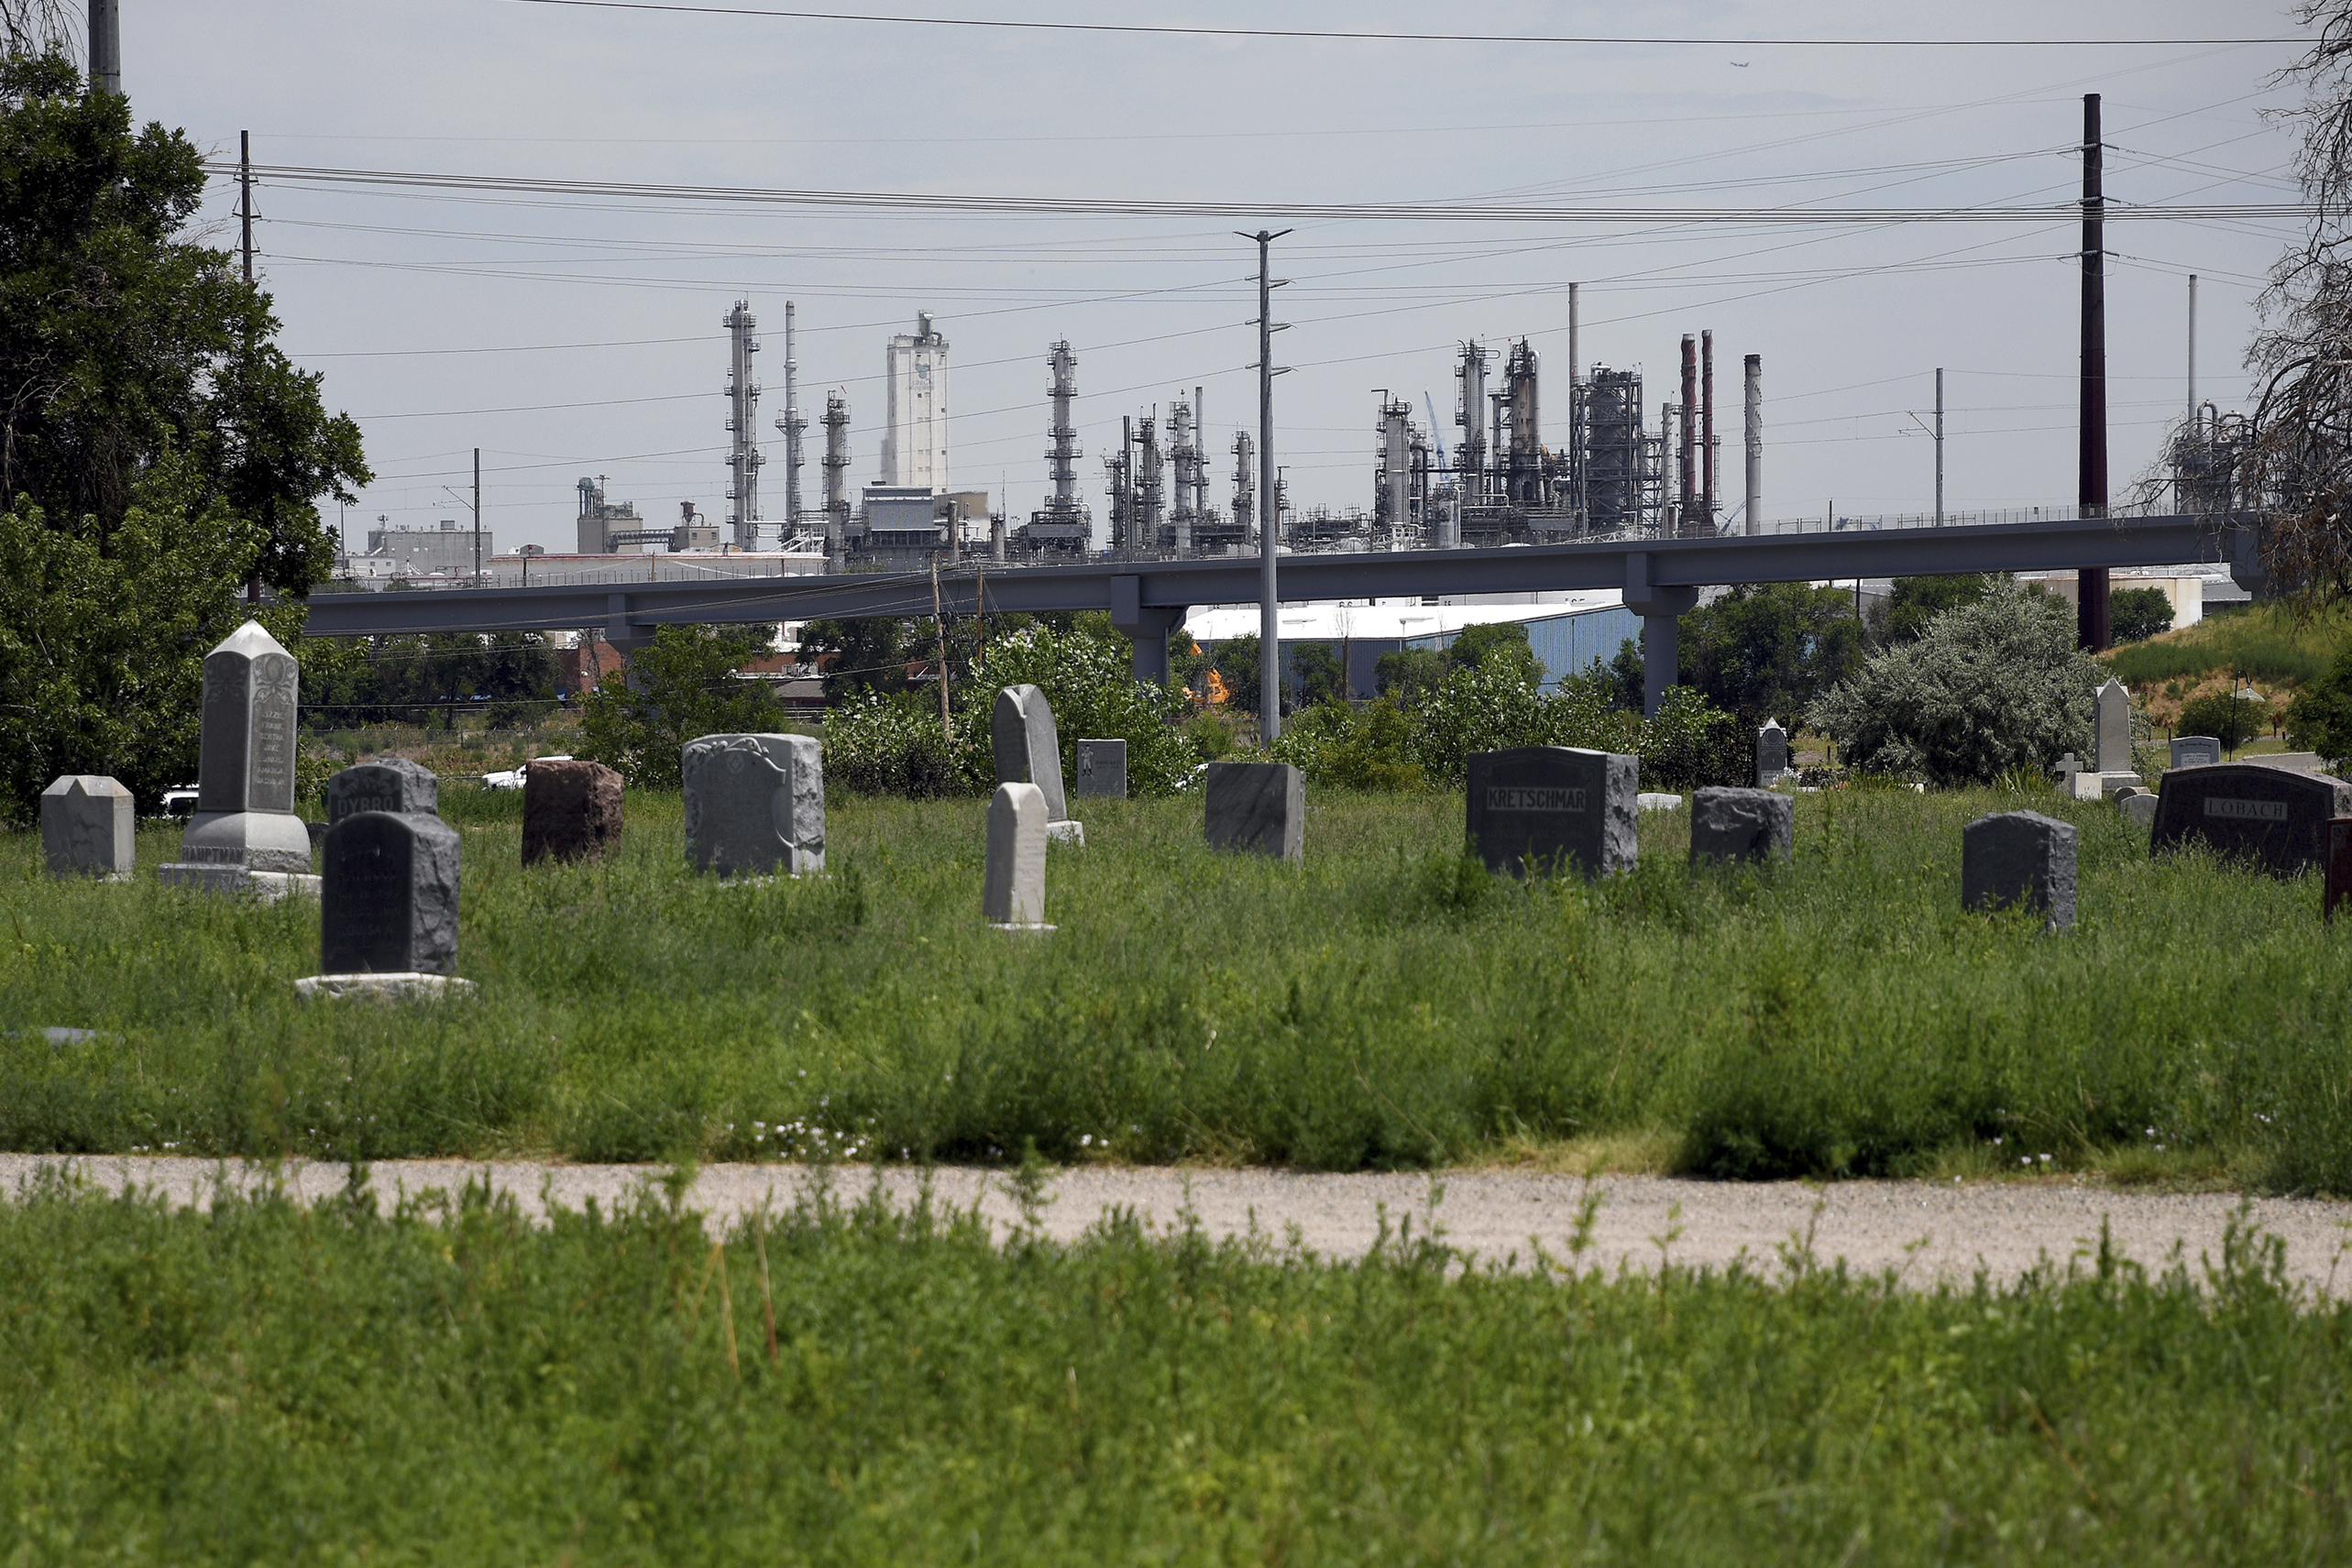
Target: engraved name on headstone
[[2195, 751], [1551, 804], [754, 803], [2273, 817], [88, 826]]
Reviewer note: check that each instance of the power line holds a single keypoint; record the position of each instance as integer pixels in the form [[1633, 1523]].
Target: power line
[[1149, 29]]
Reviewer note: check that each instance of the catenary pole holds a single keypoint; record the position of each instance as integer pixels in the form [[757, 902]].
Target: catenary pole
[[1269, 514], [1940, 446], [478, 517], [2090, 628]]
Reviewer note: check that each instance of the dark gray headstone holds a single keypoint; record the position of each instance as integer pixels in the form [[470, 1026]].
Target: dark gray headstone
[[2195, 751], [1771, 753], [1102, 769], [245, 796], [88, 826], [571, 810], [2273, 817], [755, 803], [2018, 857], [1554, 802], [1028, 748], [383, 784], [391, 895], [1256, 806], [1741, 824]]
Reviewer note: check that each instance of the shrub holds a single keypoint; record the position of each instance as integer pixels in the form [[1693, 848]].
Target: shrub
[[890, 743], [2137, 614], [1088, 676], [1336, 747], [2229, 718], [1988, 686], [1689, 744], [2320, 718]]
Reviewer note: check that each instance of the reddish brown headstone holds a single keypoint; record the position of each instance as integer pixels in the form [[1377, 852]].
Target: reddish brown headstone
[[571, 811], [2339, 884]]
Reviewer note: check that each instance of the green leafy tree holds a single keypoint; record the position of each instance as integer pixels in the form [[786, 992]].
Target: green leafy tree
[[867, 654], [2137, 614], [1990, 686], [1087, 674], [1405, 675], [1236, 664], [2320, 717], [122, 342], [1904, 614], [680, 686], [1622, 679], [1321, 679], [1770, 648], [1495, 645]]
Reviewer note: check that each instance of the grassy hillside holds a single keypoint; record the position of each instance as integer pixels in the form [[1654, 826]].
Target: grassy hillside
[[2271, 646]]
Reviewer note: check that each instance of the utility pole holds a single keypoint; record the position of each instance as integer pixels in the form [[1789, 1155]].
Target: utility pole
[[245, 194], [2091, 627], [941, 627], [478, 517], [1940, 446], [1269, 526], [107, 46], [2192, 348]]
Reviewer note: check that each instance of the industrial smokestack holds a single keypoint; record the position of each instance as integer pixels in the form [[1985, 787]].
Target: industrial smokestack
[[1689, 434], [1754, 409], [1707, 426], [790, 424], [107, 46], [837, 463]]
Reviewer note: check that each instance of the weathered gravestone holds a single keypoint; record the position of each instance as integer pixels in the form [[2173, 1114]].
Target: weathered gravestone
[[2019, 857], [1027, 749], [383, 784], [1103, 768], [2195, 751], [2068, 769], [754, 803], [571, 811], [244, 836], [88, 825], [1741, 824], [1554, 804], [1771, 753], [1012, 894], [2115, 728], [2140, 806], [1255, 805], [390, 902], [2275, 817]]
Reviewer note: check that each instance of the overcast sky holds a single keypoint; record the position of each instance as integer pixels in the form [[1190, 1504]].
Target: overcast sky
[[576, 337]]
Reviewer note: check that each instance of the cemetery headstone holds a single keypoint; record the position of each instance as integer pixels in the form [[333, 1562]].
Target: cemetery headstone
[[1741, 824], [2019, 857], [1552, 805], [1656, 800], [754, 803], [390, 902], [1261, 806], [2139, 808], [88, 826], [383, 784], [2195, 751], [1013, 893], [2274, 817], [1026, 746], [2337, 884], [2067, 769], [571, 811], [1771, 753], [1103, 768], [244, 836], [2115, 728]]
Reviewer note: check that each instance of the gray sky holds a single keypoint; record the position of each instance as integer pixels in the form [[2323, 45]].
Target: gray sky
[[571, 337]]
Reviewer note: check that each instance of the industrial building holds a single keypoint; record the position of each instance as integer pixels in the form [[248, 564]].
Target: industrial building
[[914, 432], [422, 555]]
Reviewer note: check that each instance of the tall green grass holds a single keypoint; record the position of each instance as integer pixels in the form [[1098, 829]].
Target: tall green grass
[[1385, 1005], [450, 1385], [2263, 642]]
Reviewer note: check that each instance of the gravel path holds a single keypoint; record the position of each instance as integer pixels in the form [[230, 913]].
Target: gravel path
[[1927, 1231]]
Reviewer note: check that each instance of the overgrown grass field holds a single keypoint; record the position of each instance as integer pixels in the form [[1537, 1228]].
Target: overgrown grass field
[[450, 1385], [1386, 1004], [2271, 642]]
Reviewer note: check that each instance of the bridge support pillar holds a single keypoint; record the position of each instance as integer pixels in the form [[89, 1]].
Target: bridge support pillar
[[1659, 609], [1146, 626], [628, 638]]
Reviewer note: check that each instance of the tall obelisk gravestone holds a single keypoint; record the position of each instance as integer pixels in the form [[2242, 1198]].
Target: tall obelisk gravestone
[[244, 837]]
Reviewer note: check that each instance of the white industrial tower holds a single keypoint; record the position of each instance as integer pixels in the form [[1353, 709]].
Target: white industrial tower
[[791, 423], [743, 456], [914, 432]]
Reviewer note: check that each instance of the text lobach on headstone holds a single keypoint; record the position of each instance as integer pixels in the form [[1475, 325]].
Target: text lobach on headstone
[[1550, 805], [1741, 824], [1102, 769], [383, 784], [754, 803], [1027, 747], [391, 899], [1013, 891], [2020, 858], [571, 811], [2275, 818], [244, 828], [1258, 806], [88, 827]]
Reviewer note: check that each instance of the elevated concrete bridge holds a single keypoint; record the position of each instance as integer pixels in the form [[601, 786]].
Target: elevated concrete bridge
[[1659, 577]]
